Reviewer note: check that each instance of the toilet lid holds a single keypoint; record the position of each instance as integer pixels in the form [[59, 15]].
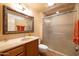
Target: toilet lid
[[42, 46]]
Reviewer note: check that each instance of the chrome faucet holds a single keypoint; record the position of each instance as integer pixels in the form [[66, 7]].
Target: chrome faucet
[[24, 37]]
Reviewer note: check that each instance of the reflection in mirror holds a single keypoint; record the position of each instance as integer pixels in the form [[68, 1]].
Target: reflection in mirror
[[15, 22]]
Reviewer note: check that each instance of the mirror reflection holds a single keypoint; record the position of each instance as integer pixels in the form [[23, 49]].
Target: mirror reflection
[[17, 22]]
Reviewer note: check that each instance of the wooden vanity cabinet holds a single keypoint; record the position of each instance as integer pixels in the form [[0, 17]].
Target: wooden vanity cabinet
[[31, 48], [28, 49]]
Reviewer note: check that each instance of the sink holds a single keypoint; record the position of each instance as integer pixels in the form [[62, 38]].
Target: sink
[[29, 38], [23, 39], [26, 39]]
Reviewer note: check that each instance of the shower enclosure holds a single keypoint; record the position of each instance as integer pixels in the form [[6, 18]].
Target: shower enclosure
[[58, 32]]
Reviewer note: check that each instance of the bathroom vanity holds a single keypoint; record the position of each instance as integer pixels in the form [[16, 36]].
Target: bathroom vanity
[[24, 46]]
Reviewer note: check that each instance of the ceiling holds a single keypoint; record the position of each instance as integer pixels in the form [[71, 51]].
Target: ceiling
[[38, 7]]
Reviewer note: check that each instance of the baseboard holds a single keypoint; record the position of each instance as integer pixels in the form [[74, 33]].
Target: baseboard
[[57, 52]]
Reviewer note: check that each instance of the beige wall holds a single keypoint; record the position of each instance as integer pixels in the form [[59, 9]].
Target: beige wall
[[38, 17], [77, 8], [1, 10]]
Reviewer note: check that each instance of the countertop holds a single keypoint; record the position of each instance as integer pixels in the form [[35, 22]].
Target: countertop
[[6, 45]]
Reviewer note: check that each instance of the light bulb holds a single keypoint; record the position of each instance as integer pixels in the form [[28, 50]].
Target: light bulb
[[50, 4], [57, 12]]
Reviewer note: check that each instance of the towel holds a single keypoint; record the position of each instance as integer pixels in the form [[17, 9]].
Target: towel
[[76, 33], [20, 28]]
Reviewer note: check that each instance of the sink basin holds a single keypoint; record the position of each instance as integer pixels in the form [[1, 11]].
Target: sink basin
[[30, 37], [26, 39]]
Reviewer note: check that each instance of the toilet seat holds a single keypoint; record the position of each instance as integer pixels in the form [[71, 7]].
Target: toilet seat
[[43, 47]]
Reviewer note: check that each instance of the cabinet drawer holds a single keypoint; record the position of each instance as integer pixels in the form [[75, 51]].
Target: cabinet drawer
[[15, 51]]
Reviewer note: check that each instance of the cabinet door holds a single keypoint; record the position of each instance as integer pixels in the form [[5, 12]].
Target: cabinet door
[[31, 48]]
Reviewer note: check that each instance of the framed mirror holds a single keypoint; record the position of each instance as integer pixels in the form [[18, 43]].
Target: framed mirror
[[16, 22]]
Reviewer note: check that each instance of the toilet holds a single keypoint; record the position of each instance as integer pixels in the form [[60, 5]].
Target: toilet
[[43, 48]]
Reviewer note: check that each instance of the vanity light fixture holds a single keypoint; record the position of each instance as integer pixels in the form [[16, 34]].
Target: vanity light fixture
[[17, 6], [50, 4], [57, 12], [21, 8]]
